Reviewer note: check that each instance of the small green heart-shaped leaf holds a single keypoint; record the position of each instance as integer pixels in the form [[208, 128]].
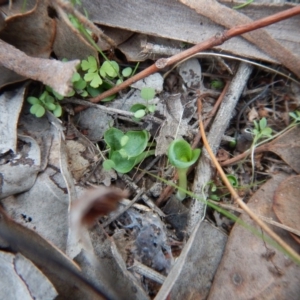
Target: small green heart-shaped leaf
[[127, 72], [147, 93], [139, 114], [151, 108]]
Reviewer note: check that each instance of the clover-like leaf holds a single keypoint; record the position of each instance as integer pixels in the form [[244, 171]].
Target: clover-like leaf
[[109, 68], [37, 110], [90, 64], [94, 78], [33, 100], [58, 111]]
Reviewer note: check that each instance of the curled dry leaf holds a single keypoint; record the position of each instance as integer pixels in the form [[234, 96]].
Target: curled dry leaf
[[54, 73], [95, 203]]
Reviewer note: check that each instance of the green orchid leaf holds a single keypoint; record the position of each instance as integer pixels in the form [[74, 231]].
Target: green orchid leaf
[[147, 93], [112, 138], [181, 155], [233, 180], [122, 165], [109, 68], [108, 164], [137, 142], [124, 140], [126, 72]]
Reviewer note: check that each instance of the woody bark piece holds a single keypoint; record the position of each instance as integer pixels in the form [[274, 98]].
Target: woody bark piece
[[54, 73]]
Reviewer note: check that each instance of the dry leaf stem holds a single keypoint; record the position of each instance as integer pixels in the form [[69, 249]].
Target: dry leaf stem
[[235, 196], [216, 40]]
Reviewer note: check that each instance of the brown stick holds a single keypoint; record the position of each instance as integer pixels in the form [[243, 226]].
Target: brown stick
[[218, 39]]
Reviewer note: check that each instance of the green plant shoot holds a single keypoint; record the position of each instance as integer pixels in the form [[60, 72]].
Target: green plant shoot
[[182, 156], [125, 150]]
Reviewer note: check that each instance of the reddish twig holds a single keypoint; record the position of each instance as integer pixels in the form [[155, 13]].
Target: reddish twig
[[216, 40]]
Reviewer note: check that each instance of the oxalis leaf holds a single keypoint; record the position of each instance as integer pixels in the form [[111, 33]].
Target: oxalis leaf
[[109, 68], [90, 64]]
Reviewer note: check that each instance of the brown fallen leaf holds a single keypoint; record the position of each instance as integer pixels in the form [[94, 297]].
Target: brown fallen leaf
[[54, 73], [252, 269], [286, 203], [287, 147], [32, 32], [93, 204]]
